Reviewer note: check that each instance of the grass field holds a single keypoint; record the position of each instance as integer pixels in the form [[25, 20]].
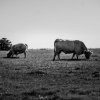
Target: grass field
[[37, 77]]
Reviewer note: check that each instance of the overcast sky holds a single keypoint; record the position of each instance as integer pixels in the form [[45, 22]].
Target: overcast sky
[[39, 22]]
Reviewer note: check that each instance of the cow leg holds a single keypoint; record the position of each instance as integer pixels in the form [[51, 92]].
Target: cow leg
[[17, 53], [59, 56], [77, 57], [12, 54], [24, 54], [54, 56], [73, 55]]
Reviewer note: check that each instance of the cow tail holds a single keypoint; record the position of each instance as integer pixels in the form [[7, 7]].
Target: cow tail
[[54, 47]]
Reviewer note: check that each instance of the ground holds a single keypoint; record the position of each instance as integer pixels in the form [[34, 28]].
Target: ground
[[37, 77]]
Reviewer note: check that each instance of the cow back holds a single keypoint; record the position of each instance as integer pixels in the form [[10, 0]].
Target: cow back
[[65, 45]]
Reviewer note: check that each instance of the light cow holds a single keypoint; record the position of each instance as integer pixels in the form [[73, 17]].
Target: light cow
[[17, 49], [67, 46]]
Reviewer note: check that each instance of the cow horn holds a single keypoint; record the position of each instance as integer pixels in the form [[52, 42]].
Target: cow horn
[[90, 51]]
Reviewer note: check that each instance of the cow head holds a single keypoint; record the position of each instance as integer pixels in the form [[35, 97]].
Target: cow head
[[9, 54], [87, 54]]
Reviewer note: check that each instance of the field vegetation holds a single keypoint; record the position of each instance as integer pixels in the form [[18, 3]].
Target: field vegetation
[[37, 77]]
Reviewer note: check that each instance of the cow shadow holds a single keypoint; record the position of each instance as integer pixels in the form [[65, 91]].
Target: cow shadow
[[71, 60], [11, 57]]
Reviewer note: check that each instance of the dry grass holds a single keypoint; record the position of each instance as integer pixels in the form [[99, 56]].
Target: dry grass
[[37, 77]]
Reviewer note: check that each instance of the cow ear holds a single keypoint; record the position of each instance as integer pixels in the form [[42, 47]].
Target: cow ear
[[91, 52]]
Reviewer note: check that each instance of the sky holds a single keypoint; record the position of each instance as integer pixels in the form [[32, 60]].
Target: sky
[[39, 22]]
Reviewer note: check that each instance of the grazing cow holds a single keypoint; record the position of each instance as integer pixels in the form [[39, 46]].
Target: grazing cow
[[17, 49], [67, 46]]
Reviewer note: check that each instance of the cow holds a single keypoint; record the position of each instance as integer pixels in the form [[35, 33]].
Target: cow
[[76, 47], [17, 49]]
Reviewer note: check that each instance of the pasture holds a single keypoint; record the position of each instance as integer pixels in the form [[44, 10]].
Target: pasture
[[37, 77]]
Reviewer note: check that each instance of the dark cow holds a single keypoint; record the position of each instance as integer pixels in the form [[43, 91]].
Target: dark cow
[[17, 49], [67, 46]]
